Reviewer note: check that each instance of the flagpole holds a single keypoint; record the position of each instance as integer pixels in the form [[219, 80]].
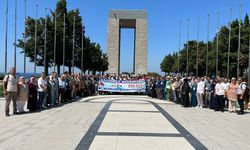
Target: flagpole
[[82, 50], [179, 48], [73, 52], [217, 41], [55, 43], [64, 42], [45, 40], [197, 50], [24, 43], [35, 50], [238, 60], [249, 61], [187, 46], [6, 38], [229, 43], [15, 34], [208, 22]]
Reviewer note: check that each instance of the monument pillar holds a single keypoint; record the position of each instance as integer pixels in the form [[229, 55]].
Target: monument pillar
[[114, 45], [137, 20], [141, 47]]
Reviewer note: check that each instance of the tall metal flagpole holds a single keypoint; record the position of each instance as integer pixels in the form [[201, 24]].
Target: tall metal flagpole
[[208, 22], [179, 48], [187, 46], [229, 43], [6, 38], [55, 44], [249, 61], [24, 44], [35, 50], [82, 50], [73, 52], [238, 62], [64, 42], [197, 51], [15, 34], [217, 42], [45, 40]]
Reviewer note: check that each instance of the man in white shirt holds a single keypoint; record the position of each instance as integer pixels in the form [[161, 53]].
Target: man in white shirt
[[240, 92], [200, 92], [10, 91], [62, 89], [42, 90]]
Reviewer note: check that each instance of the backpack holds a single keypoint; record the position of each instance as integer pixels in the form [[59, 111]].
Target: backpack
[[246, 93], [6, 83]]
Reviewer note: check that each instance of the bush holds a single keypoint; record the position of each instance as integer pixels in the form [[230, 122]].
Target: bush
[[1, 91], [1, 76], [153, 74]]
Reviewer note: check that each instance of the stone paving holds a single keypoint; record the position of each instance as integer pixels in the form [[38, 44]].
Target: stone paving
[[130, 122], [59, 128]]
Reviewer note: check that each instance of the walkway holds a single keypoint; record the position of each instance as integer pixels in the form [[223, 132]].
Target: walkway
[[124, 122]]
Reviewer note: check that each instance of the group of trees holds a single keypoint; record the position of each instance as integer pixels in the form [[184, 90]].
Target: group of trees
[[93, 58], [170, 62]]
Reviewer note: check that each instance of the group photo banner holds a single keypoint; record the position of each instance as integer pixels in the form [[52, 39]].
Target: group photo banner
[[122, 86]]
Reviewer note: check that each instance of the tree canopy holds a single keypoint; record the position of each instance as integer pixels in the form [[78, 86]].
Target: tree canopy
[[93, 58], [168, 64]]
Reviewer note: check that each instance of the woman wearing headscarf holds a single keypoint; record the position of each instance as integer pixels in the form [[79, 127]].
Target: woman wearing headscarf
[[185, 93], [32, 99], [23, 92], [220, 94], [52, 91], [193, 94], [167, 89], [212, 104], [232, 95]]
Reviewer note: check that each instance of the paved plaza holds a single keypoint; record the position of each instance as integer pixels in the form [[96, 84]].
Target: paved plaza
[[124, 123]]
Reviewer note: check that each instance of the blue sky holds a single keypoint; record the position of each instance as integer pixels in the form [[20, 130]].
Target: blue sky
[[163, 24]]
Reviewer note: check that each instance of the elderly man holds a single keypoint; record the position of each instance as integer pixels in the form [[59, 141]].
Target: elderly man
[[10, 91], [42, 90]]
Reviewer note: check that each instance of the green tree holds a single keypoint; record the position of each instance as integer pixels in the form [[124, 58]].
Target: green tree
[[167, 63], [223, 35], [153, 74], [104, 63], [92, 52]]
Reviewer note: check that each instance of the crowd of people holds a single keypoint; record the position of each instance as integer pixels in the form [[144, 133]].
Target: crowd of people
[[45, 92], [218, 93]]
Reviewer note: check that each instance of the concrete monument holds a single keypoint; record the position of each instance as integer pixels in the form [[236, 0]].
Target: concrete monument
[[137, 20]]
